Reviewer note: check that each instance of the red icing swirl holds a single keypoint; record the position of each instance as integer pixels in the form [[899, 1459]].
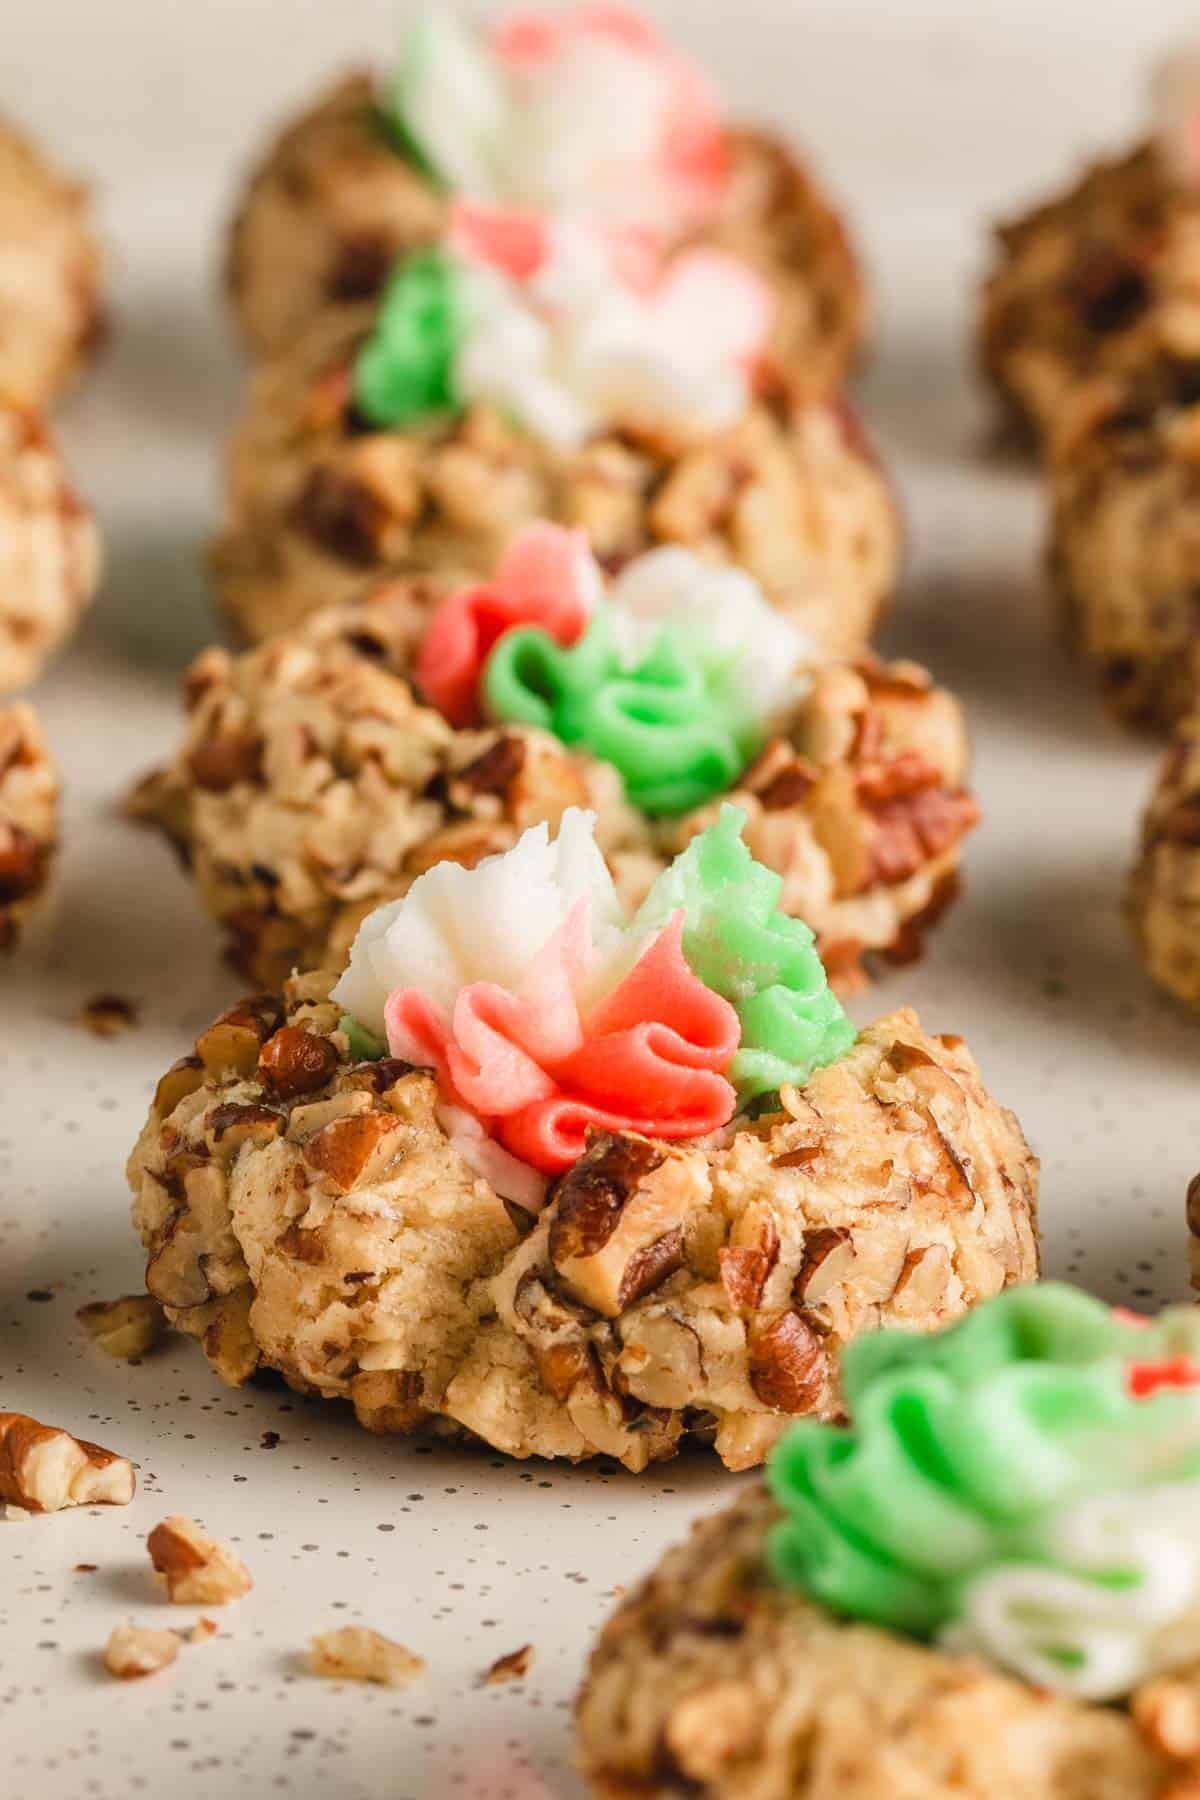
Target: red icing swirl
[[649, 1057]]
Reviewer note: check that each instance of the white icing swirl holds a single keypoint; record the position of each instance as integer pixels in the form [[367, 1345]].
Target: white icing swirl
[[1115, 1602]]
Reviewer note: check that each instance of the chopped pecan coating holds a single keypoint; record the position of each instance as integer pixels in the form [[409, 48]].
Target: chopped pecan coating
[[49, 278], [44, 1469], [49, 549], [1163, 898], [664, 1291]]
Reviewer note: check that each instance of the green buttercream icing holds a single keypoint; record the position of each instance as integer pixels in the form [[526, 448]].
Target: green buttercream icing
[[364, 1045], [967, 1443], [405, 371], [763, 962], [673, 725]]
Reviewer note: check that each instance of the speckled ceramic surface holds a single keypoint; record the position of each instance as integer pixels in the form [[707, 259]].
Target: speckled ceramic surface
[[459, 1555]]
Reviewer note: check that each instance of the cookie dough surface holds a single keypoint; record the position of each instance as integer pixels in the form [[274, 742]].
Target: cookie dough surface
[[316, 505], [49, 275], [28, 817], [1163, 903], [309, 1214], [1125, 536], [332, 205], [1094, 282], [311, 786], [49, 549], [710, 1681]]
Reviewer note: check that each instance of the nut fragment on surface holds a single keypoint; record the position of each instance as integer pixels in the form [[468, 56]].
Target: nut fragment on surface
[[108, 1015], [197, 1570], [28, 816], [44, 1469], [136, 1650], [355, 1653], [340, 1236], [513, 1667], [126, 1328]]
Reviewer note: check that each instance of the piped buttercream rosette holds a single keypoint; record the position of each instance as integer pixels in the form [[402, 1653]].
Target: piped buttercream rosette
[[579, 109], [1022, 1486], [565, 326], [675, 675], [546, 1013]]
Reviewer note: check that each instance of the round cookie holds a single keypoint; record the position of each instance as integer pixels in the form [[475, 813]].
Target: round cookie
[[49, 549], [49, 275], [317, 505], [305, 1210], [1124, 546], [28, 817], [1090, 283], [334, 203], [311, 785], [1163, 902], [724, 1675]]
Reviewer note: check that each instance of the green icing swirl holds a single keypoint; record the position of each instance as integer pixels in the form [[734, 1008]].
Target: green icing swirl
[[966, 1444], [405, 371], [672, 725], [763, 962], [364, 1046]]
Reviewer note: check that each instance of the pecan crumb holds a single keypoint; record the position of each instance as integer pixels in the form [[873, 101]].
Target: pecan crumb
[[202, 1630], [513, 1667], [108, 1015], [43, 1468], [126, 1328], [357, 1654], [198, 1570], [136, 1650]]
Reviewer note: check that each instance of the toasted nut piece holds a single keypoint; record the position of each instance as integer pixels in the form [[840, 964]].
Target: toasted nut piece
[[108, 1015], [202, 1630], [513, 1667], [346, 1149], [44, 1468], [126, 1328], [180, 1080], [356, 1654], [136, 1650], [617, 1231], [198, 1570], [295, 1061]]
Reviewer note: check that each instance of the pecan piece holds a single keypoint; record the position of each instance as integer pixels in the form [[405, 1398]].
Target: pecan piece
[[45, 1469], [513, 1667], [218, 764], [346, 1149], [828, 1253], [296, 1061], [356, 1654], [788, 1364], [196, 1569], [234, 1124], [126, 1328], [616, 1232], [136, 1650], [108, 1015], [232, 1043]]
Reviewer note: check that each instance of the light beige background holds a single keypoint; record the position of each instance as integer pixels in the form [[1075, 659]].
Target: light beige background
[[928, 118]]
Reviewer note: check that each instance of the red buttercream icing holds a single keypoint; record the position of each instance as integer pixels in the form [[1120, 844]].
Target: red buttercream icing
[[547, 579], [649, 1057]]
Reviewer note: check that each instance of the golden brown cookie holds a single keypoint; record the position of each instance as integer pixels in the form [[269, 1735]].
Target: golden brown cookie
[[711, 1681], [332, 205], [28, 817], [305, 1212], [49, 549], [311, 785], [1095, 282], [49, 275]]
